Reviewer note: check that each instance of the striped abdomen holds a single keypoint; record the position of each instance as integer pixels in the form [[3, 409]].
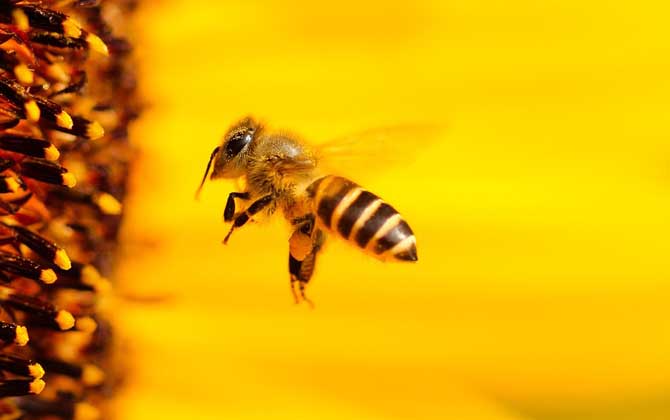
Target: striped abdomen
[[363, 219]]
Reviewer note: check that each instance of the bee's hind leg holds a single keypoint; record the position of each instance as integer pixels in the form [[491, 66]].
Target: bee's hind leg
[[244, 217], [304, 245], [296, 297], [297, 276], [302, 286]]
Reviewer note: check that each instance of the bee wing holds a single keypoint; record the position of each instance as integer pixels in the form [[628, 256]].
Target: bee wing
[[377, 150]]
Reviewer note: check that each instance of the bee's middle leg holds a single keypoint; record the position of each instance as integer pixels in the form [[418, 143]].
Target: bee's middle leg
[[244, 217]]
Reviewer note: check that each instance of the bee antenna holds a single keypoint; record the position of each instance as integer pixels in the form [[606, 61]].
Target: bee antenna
[[209, 165]]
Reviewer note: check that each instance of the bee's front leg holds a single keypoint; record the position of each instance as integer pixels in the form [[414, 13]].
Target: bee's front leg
[[244, 217], [229, 211]]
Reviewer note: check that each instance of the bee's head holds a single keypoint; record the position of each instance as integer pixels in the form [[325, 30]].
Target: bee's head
[[230, 159]]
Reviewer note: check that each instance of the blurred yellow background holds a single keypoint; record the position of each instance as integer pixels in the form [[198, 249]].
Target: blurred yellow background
[[542, 213]]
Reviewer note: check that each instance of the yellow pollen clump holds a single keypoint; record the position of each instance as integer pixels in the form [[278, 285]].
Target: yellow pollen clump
[[86, 324], [62, 260], [37, 386], [69, 180], [86, 411], [12, 184], [97, 44], [21, 334], [91, 277], [20, 19], [63, 119], [36, 370], [51, 153], [48, 276], [95, 131], [92, 375], [108, 204], [65, 320], [32, 110], [71, 28], [57, 72], [24, 74]]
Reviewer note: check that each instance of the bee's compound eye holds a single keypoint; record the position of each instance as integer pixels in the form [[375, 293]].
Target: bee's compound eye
[[237, 143]]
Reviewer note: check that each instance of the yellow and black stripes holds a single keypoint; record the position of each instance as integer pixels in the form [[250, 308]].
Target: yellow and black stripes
[[362, 218]]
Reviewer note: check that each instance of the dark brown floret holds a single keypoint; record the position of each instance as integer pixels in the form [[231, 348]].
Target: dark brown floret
[[21, 266], [28, 146], [46, 171], [12, 333], [53, 40], [40, 245], [21, 387], [21, 367]]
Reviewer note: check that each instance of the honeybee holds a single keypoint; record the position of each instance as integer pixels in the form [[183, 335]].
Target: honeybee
[[280, 172]]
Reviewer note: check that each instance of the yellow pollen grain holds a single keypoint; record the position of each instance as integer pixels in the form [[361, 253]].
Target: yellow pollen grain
[[108, 204], [37, 386], [51, 153], [56, 71], [91, 277], [97, 44], [63, 119], [20, 19], [92, 375], [86, 324], [62, 260], [68, 179], [48, 276], [71, 28], [24, 74], [12, 184], [32, 110], [85, 411], [6, 293], [102, 286], [21, 335], [94, 130], [36, 370], [65, 320]]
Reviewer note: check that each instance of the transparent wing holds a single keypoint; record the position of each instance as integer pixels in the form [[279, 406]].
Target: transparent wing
[[376, 151]]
